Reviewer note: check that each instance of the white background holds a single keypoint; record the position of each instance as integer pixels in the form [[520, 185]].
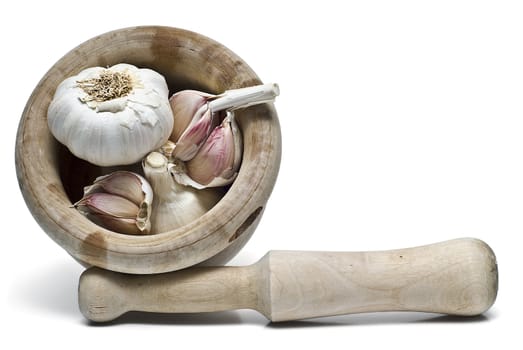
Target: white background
[[402, 125]]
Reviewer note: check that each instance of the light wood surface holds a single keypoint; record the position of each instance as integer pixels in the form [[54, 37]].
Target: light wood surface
[[456, 277], [51, 178]]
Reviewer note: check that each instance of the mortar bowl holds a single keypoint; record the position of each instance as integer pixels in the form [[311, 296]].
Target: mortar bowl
[[51, 178]]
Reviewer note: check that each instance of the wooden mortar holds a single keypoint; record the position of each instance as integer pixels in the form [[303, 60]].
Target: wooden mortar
[[51, 178]]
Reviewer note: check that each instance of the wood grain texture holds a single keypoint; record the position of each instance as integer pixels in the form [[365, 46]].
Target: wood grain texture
[[51, 178], [456, 277]]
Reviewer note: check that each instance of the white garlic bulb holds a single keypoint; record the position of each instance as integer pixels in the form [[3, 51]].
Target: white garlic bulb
[[111, 116]]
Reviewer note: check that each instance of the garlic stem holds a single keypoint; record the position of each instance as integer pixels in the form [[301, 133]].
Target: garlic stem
[[244, 97]]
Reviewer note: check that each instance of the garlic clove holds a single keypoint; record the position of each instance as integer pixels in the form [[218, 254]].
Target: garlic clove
[[214, 158], [121, 183], [193, 121], [218, 160], [107, 204], [118, 201], [184, 105], [193, 137]]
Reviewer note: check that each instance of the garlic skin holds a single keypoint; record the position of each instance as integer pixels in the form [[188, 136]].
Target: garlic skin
[[121, 202], [175, 205], [111, 116], [218, 160]]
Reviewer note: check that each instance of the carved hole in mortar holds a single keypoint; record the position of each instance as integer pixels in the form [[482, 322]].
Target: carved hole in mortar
[[245, 225]]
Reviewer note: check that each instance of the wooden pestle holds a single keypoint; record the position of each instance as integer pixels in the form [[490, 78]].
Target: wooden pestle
[[457, 277]]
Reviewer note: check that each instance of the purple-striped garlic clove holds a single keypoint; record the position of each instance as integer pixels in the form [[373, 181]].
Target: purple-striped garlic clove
[[120, 201], [218, 160], [193, 121]]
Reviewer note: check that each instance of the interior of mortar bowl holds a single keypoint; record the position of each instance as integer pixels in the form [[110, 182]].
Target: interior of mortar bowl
[[51, 178]]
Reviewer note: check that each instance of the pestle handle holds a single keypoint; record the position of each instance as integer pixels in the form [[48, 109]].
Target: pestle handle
[[105, 295], [456, 277]]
